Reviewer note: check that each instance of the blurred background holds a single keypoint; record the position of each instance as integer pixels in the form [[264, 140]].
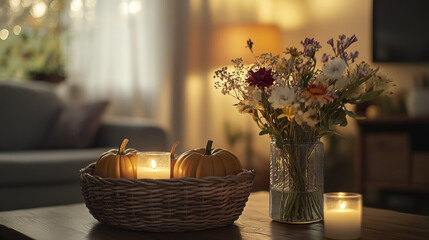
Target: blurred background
[[155, 59]]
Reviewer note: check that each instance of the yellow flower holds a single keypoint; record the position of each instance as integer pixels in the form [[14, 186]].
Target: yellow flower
[[289, 111], [293, 51]]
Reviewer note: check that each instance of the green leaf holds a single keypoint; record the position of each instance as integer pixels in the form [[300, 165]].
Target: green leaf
[[338, 118], [263, 132], [352, 101], [350, 113], [278, 141], [362, 80], [247, 107], [368, 96], [355, 86]]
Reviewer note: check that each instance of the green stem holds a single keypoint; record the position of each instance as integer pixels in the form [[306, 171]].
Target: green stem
[[302, 203]]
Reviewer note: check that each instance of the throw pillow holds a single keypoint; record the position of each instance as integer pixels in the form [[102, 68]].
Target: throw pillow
[[76, 125]]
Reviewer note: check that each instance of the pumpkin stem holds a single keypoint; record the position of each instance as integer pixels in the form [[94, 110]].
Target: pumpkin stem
[[173, 149], [122, 146], [209, 148]]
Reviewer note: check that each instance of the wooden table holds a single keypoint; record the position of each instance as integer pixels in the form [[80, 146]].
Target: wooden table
[[74, 222]]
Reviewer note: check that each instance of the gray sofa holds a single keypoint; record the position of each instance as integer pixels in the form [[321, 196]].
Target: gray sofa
[[32, 175]]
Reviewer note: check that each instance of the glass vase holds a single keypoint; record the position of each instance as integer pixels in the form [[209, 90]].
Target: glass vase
[[296, 182]]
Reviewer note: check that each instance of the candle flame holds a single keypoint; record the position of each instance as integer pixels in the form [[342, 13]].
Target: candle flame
[[343, 205], [153, 164]]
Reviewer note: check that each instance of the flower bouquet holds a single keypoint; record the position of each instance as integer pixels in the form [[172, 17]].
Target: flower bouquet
[[296, 104]]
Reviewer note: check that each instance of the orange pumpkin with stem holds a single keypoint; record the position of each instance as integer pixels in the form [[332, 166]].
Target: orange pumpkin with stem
[[206, 162], [117, 164]]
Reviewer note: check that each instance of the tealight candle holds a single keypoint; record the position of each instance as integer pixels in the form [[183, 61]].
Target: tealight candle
[[342, 215], [154, 165]]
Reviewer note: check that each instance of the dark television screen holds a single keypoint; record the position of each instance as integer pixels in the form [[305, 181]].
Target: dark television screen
[[400, 31]]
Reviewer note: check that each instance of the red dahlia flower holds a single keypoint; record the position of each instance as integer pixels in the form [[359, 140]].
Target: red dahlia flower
[[262, 78]]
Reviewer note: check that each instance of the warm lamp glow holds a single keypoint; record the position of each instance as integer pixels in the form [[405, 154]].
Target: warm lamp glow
[[229, 42], [290, 14]]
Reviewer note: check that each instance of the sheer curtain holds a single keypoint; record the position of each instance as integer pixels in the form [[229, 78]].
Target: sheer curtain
[[121, 50]]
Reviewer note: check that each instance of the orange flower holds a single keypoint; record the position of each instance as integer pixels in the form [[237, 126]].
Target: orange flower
[[316, 93]]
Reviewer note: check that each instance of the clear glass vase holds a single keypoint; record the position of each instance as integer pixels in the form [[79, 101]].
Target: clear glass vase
[[296, 182]]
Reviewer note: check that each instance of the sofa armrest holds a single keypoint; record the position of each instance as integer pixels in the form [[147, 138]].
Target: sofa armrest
[[143, 135]]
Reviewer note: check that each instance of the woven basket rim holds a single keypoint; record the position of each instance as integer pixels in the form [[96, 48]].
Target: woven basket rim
[[129, 203], [87, 172]]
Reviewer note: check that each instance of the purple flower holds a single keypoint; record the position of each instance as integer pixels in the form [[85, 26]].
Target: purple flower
[[332, 94], [339, 46], [342, 44], [349, 41], [250, 44], [325, 58], [310, 46], [262, 78], [354, 55], [362, 73], [346, 57], [331, 42], [353, 39]]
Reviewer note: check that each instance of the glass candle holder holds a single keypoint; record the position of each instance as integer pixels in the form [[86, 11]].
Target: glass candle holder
[[342, 215], [154, 165]]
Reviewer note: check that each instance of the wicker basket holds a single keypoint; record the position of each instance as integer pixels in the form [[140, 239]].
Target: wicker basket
[[171, 205]]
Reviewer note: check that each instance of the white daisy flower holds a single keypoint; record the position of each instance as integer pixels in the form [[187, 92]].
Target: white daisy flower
[[281, 97], [334, 68]]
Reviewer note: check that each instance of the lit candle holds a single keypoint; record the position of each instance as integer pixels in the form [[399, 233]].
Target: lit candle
[[154, 165], [342, 215]]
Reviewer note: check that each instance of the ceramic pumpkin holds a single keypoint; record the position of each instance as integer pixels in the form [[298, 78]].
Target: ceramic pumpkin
[[206, 162], [118, 163], [173, 158]]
